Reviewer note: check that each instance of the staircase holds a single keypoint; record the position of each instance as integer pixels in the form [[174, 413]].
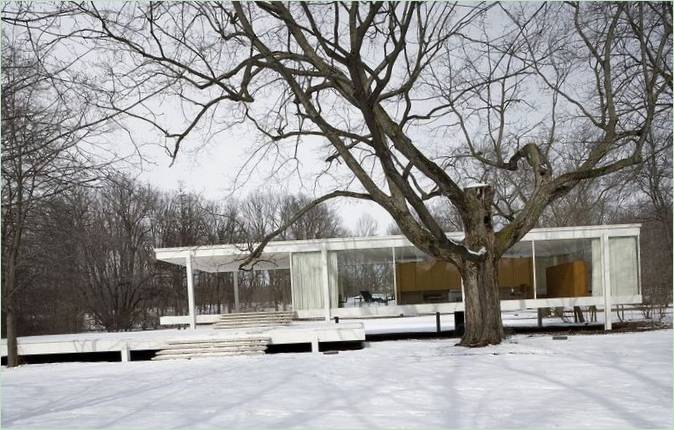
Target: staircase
[[200, 348], [254, 320]]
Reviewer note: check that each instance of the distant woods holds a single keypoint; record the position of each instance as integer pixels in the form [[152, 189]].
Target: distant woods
[[88, 261]]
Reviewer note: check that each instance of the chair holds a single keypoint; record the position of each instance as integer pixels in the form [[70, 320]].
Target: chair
[[367, 298]]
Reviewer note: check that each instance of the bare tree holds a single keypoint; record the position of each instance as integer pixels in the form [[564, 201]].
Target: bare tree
[[41, 157], [50, 299], [372, 80], [654, 179], [366, 226], [116, 258], [318, 223]]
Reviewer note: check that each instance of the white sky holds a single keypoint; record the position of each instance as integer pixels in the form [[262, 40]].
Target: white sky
[[211, 172]]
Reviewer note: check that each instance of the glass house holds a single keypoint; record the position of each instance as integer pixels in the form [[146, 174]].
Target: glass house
[[387, 276]]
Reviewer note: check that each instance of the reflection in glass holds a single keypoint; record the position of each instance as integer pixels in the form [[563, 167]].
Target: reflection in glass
[[568, 268], [365, 277], [623, 266], [422, 279], [264, 290], [516, 273]]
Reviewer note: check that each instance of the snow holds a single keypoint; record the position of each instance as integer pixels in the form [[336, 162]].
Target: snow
[[476, 185], [598, 381], [479, 252]]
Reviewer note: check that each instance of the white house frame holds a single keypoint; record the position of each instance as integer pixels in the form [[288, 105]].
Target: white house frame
[[279, 255]]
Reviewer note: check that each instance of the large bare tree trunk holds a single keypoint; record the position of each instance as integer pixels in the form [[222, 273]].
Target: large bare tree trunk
[[482, 302], [482, 305], [12, 347], [8, 298], [9, 308]]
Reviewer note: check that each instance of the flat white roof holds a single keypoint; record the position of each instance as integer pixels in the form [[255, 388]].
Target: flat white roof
[[227, 257]]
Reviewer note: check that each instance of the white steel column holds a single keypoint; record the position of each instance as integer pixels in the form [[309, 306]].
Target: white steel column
[[236, 290], [639, 264], [325, 280], [292, 293], [126, 354], [395, 277], [606, 280], [190, 292], [533, 265]]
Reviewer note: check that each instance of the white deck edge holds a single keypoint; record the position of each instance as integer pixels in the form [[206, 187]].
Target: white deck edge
[[69, 344]]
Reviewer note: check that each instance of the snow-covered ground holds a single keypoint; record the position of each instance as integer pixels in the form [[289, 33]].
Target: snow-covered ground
[[600, 381]]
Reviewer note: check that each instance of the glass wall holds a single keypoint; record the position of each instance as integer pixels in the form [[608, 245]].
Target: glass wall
[[307, 280], [624, 266], [568, 268], [213, 293], [422, 279], [558, 268], [264, 290], [516, 273], [364, 277]]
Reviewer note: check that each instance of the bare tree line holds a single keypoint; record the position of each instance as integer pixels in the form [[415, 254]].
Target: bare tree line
[[88, 259]]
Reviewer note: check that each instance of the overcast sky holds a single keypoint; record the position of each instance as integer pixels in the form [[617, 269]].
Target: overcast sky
[[211, 170], [210, 158]]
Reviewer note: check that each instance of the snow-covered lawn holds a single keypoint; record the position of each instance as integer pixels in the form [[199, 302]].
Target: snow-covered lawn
[[602, 381]]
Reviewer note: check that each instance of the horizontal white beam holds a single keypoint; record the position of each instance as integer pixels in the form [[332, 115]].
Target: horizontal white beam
[[223, 258]]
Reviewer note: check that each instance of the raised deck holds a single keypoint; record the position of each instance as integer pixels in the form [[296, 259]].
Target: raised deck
[[312, 333]]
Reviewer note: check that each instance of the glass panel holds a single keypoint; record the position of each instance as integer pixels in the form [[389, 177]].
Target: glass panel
[[516, 273], [568, 268], [307, 280], [423, 279], [279, 286], [623, 266], [213, 293], [365, 277], [264, 290]]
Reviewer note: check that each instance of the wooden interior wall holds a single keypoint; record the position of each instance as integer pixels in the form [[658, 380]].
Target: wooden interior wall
[[416, 278], [567, 279], [423, 276], [563, 280], [419, 282], [515, 272], [426, 276]]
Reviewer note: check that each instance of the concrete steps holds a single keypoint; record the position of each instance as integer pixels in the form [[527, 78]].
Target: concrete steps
[[257, 314], [200, 355], [254, 320], [198, 348]]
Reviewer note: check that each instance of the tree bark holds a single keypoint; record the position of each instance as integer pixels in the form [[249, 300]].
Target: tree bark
[[8, 299], [12, 347], [480, 278]]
